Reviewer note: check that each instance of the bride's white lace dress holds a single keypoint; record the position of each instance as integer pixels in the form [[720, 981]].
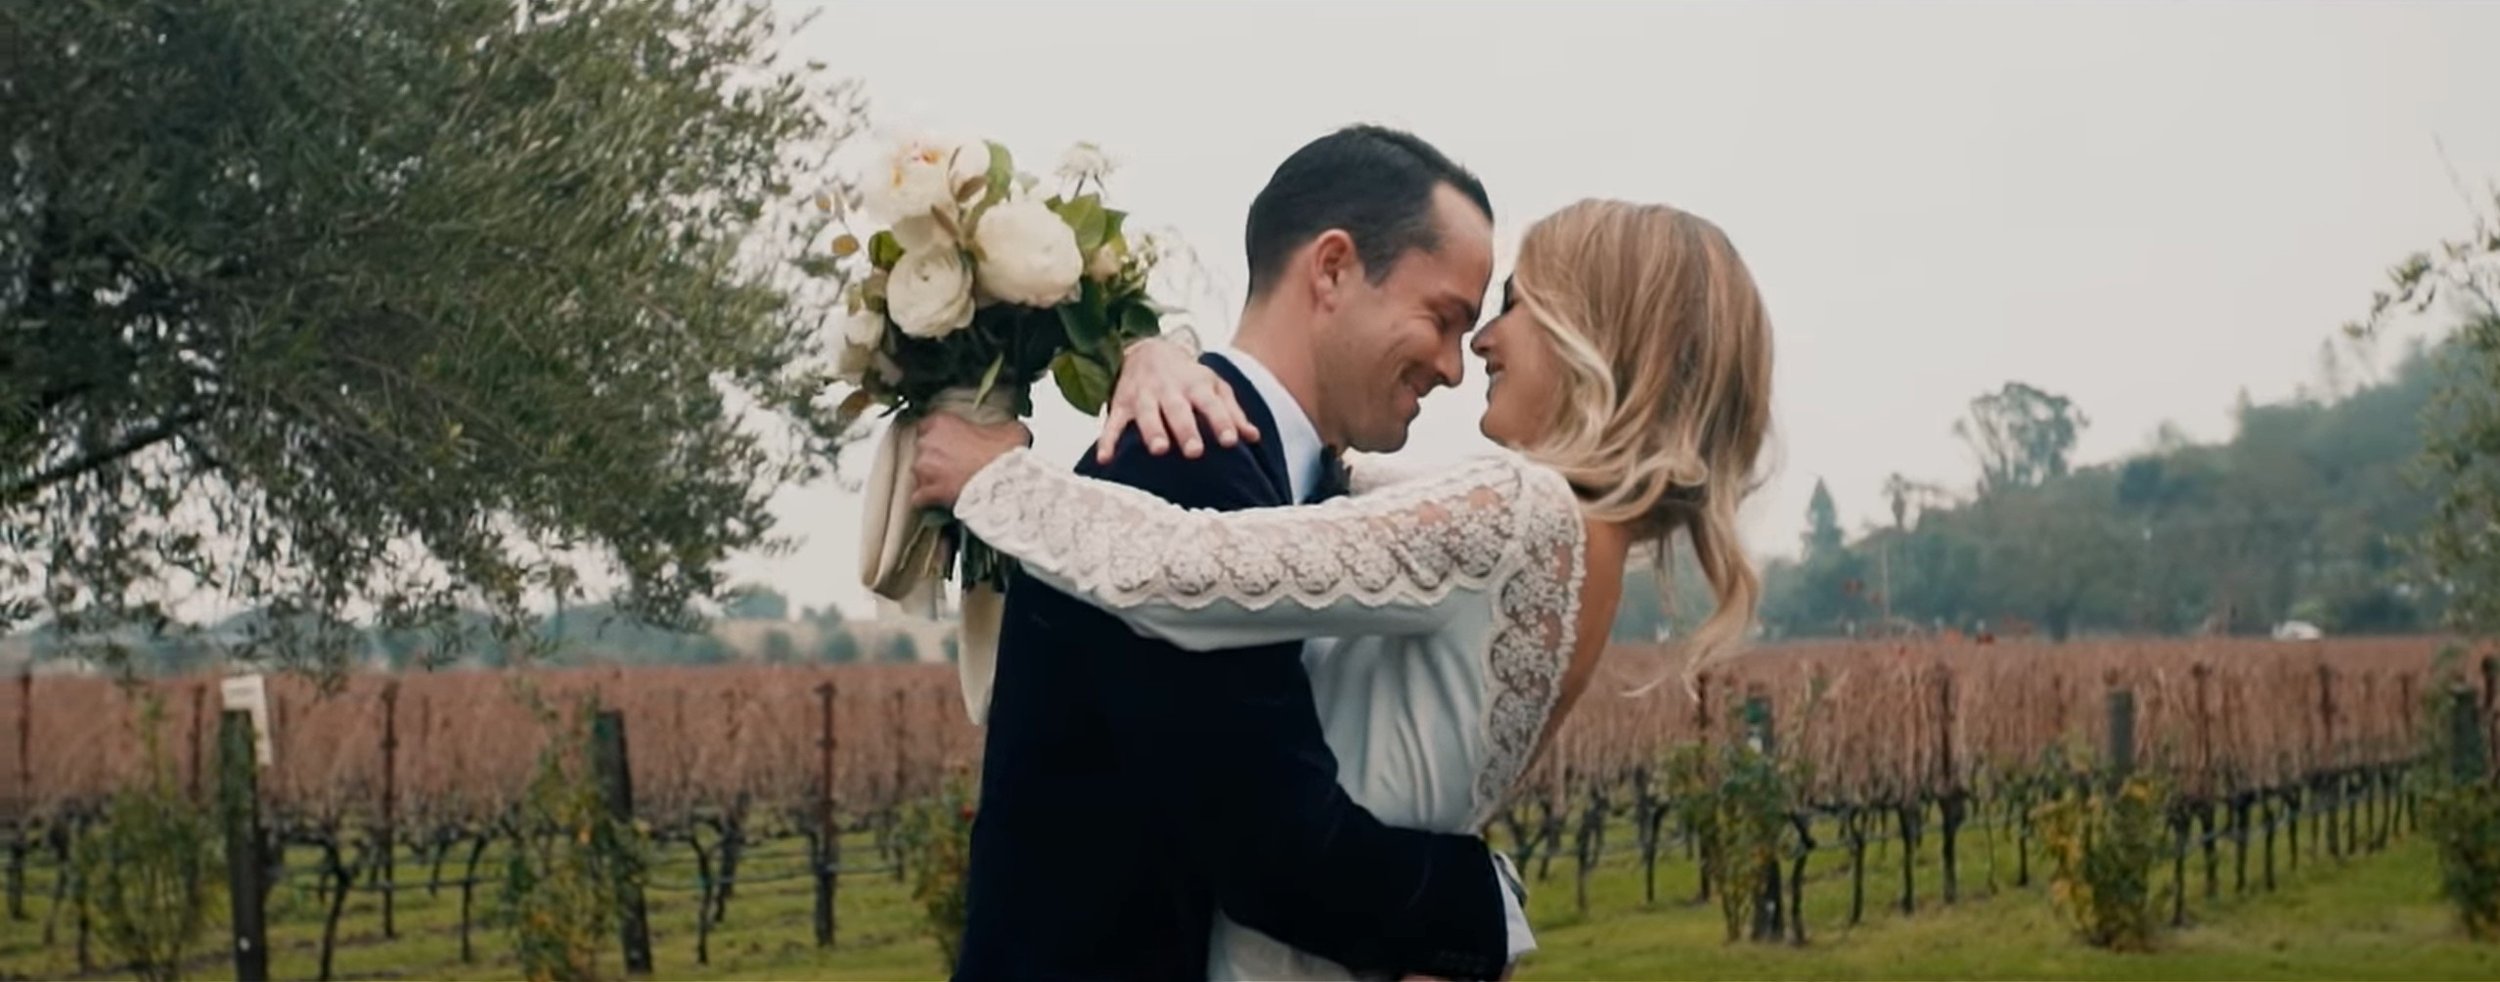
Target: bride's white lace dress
[[1441, 609]]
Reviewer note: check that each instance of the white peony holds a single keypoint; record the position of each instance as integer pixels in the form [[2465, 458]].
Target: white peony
[[923, 175], [1028, 254], [929, 293]]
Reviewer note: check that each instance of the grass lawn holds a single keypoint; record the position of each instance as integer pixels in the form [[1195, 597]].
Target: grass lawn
[[2367, 918], [2375, 917]]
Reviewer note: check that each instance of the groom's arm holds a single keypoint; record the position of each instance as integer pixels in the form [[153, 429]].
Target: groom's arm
[[1253, 791]]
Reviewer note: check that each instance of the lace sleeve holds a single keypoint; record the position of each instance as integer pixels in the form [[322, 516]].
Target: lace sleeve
[[1393, 562]]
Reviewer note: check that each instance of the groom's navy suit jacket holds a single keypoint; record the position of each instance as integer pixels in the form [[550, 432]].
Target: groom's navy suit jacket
[[1130, 789]]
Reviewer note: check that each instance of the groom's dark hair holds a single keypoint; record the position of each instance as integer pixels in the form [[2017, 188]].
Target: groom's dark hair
[[1374, 182]]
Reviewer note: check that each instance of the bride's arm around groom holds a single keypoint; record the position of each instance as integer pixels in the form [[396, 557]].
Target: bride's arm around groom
[[1287, 851]]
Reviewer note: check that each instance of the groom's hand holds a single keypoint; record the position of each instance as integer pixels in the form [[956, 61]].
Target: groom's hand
[[948, 449]]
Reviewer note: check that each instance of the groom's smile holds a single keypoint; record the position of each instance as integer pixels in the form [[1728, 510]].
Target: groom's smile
[[1404, 335]]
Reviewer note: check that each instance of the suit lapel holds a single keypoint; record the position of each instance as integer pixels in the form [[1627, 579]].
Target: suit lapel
[[1269, 453]]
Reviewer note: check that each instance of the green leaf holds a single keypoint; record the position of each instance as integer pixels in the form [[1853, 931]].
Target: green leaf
[[1139, 321], [1084, 381], [1086, 325], [1085, 215], [884, 250], [1002, 174], [990, 378]]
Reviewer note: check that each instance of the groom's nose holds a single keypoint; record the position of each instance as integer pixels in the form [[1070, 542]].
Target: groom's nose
[[1450, 366]]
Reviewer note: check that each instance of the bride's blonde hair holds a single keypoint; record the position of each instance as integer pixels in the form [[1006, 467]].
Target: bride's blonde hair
[[1666, 396]]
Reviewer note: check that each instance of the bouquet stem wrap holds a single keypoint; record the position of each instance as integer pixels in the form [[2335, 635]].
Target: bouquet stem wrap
[[906, 552]]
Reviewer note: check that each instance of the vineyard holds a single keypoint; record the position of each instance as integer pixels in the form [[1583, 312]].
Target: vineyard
[[753, 775]]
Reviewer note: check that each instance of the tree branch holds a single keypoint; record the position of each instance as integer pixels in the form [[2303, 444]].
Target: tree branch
[[149, 436]]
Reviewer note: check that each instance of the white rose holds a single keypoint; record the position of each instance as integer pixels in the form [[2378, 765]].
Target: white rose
[[923, 175], [929, 293], [1082, 162], [1028, 254]]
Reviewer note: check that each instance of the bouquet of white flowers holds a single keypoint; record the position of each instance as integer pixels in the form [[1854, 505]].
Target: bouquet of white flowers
[[975, 289]]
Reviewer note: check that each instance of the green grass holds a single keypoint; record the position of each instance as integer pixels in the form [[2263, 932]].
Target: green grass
[[2372, 917], [2375, 917]]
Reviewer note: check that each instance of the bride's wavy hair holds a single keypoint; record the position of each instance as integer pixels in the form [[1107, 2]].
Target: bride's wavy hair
[[1666, 398]]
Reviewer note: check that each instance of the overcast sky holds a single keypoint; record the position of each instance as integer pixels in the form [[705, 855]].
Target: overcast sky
[[2146, 207]]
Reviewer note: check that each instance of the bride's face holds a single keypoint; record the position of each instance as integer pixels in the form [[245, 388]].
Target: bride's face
[[1520, 374]]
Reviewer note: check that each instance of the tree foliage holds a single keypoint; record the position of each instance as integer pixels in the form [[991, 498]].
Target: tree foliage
[[2461, 452], [779, 649], [839, 647], [758, 603], [1823, 532], [2304, 514], [369, 307], [2021, 434]]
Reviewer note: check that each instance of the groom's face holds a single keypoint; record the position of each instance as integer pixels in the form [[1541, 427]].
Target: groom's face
[[1393, 343]]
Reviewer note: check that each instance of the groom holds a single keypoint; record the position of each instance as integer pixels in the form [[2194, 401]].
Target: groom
[[1130, 789]]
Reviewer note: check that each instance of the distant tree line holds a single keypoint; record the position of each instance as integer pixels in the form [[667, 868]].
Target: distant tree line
[[2312, 511], [598, 633]]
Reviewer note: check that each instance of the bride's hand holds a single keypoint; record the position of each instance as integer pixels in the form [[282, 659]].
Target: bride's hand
[[1166, 392], [950, 449]]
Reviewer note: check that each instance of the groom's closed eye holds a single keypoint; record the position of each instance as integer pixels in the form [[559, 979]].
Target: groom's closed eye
[[1454, 313]]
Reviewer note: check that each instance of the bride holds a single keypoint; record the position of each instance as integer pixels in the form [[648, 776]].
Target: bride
[[1453, 615]]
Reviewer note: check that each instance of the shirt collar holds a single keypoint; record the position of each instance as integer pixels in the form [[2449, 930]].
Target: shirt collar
[[1301, 446]]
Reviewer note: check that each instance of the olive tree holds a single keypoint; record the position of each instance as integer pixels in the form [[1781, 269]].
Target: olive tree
[[400, 310]]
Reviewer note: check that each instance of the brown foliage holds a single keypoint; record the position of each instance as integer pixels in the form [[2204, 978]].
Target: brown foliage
[[1877, 721], [1894, 721]]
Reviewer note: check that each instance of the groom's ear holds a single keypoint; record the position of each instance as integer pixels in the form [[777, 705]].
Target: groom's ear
[[1334, 264]]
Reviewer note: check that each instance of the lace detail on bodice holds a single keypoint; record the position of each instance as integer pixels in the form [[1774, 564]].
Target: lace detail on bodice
[[1497, 525]]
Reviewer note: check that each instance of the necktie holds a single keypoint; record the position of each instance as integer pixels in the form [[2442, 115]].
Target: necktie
[[1332, 476]]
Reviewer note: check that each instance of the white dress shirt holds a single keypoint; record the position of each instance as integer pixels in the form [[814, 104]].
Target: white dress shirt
[[1295, 435]]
